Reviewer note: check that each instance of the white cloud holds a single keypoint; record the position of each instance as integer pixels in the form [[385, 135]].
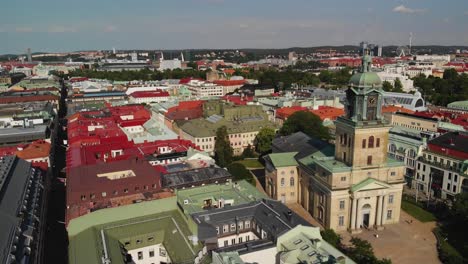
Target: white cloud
[[24, 29], [406, 10]]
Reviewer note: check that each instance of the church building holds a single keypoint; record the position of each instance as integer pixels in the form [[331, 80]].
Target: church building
[[354, 184]]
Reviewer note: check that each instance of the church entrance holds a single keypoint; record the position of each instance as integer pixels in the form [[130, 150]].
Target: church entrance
[[365, 220], [366, 209]]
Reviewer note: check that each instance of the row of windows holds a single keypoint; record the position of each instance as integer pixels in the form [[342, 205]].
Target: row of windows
[[370, 143], [454, 189], [441, 160], [162, 253], [239, 240], [232, 228], [115, 192], [291, 181]]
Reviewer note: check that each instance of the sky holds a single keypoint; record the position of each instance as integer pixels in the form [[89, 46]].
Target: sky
[[63, 25]]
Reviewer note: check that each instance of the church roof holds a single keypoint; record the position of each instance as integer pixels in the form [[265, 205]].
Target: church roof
[[369, 184], [365, 80]]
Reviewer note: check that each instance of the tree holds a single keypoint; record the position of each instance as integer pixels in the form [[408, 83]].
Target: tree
[[398, 87], [248, 152], [240, 172], [361, 252], [307, 123], [263, 139], [223, 149], [386, 86], [332, 238]]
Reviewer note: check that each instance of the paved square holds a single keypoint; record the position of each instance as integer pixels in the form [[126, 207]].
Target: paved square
[[405, 242]]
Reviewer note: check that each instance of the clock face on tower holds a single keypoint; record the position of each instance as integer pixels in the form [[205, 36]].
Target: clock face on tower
[[372, 102]]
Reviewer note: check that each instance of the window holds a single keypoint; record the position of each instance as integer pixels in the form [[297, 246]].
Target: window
[[233, 227], [291, 181], [247, 238], [345, 139], [151, 253], [162, 252], [454, 188], [424, 167], [342, 205], [150, 239], [103, 194], [92, 196], [341, 220], [344, 156], [83, 197], [225, 228], [363, 143], [455, 178], [140, 255], [217, 230], [377, 143], [226, 243], [390, 199], [450, 176], [240, 225], [321, 198], [282, 182], [247, 224], [392, 173], [389, 214], [448, 186], [369, 160], [233, 241], [138, 241], [343, 178], [240, 240], [371, 142], [125, 190]]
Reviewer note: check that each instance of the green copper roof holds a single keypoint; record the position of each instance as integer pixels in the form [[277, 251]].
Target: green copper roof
[[132, 226], [192, 199], [304, 244], [367, 182], [285, 159], [365, 80]]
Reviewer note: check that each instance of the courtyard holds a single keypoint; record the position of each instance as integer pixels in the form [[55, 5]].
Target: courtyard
[[409, 241]]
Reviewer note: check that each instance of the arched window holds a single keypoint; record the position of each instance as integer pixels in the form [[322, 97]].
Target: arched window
[[377, 143], [282, 181], [364, 143], [291, 181], [345, 139], [371, 142]]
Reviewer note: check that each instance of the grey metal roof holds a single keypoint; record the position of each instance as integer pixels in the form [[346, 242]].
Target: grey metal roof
[[194, 177], [298, 142], [272, 216], [16, 209], [20, 134]]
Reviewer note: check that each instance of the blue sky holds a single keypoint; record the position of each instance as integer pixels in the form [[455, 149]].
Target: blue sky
[[53, 25]]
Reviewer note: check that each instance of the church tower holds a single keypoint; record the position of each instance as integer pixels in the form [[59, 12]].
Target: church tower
[[362, 134]]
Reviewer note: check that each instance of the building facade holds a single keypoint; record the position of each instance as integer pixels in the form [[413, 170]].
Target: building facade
[[442, 170]]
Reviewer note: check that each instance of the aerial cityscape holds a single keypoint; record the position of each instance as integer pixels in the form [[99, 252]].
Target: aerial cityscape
[[222, 132]]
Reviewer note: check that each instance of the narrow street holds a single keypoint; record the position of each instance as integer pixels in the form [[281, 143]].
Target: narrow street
[[56, 243]]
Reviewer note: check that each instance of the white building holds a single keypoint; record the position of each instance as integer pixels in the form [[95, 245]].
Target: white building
[[170, 64], [406, 82], [204, 89]]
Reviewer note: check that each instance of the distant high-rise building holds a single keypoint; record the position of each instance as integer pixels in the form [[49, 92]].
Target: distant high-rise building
[[29, 55]]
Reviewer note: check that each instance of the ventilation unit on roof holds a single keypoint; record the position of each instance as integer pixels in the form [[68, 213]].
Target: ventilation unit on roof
[[186, 201]]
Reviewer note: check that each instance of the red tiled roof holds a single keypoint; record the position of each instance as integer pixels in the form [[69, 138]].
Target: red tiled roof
[[37, 149], [229, 82], [395, 109], [33, 98], [146, 94], [285, 112], [238, 100], [187, 80], [328, 112]]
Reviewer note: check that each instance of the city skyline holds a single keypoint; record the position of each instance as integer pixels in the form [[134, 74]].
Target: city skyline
[[53, 26]]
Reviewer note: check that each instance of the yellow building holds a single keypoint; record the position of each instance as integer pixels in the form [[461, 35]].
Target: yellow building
[[354, 184], [281, 177]]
